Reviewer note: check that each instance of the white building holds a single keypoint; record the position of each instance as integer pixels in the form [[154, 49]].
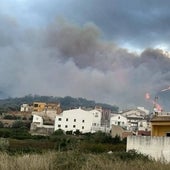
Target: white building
[[25, 108], [144, 125], [78, 119], [37, 120], [39, 128], [96, 122], [134, 116], [118, 120]]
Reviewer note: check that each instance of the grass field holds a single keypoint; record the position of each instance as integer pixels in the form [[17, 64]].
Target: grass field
[[72, 160]]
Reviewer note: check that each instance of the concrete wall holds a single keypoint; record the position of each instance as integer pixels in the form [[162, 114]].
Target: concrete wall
[[43, 130], [156, 147]]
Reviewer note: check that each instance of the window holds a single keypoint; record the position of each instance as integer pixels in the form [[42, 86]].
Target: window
[[82, 127], [59, 119], [96, 115], [74, 120], [66, 126], [66, 119], [74, 126], [59, 125], [83, 121], [35, 105], [119, 117]]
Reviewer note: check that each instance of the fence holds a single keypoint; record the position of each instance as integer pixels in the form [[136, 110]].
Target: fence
[[157, 148]]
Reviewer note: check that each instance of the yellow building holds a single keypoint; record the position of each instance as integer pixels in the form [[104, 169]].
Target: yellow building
[[38, 106], [160, 126]]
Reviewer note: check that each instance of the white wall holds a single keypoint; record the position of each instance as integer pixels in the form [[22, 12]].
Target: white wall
[[24, 108], [144, 125], [96, 121], [38, 120], [118, 120], [75, 119], [156, 147]]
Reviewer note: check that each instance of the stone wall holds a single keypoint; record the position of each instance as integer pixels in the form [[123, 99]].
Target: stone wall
[[157, 148]]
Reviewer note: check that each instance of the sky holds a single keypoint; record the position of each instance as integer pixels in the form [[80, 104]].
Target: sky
[[112, 51]]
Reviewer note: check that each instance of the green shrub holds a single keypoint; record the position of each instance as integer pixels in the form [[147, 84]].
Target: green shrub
[[69, 132], [5, 132], [58, 132], [77, 132], [131, 155], [1, 125], [29, 146], [4, 144]]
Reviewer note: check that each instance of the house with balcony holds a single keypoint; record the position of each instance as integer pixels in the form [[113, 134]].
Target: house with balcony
[[135, 116]]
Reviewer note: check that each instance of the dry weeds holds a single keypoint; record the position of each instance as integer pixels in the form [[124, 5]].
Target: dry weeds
[[75, 161]]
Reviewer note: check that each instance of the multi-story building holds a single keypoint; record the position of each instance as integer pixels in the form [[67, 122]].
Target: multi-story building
[[134, 116], [78, 119], [40, 107]]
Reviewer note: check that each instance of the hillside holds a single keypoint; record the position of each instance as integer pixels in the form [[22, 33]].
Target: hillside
[[13, 104]]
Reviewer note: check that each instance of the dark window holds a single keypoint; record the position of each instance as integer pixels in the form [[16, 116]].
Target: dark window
[[66, 126], [59, 125], [74, 126], [74, 120], [59, 119], [82, 127], [66, 119], [35, 105], [83, 121], [168, 134]]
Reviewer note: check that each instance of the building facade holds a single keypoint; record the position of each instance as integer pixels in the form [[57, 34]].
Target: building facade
[[160, 126], [78, 119], [118, 120]]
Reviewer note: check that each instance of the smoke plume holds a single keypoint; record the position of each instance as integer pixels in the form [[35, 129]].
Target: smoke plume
[[64, 59]]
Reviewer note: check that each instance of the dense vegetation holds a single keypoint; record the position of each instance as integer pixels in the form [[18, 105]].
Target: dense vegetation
[[18, 139], [69, 151], [13, 104]]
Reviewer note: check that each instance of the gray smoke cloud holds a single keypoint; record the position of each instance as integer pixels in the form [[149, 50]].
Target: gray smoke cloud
[[137, 23], [65, 58]]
